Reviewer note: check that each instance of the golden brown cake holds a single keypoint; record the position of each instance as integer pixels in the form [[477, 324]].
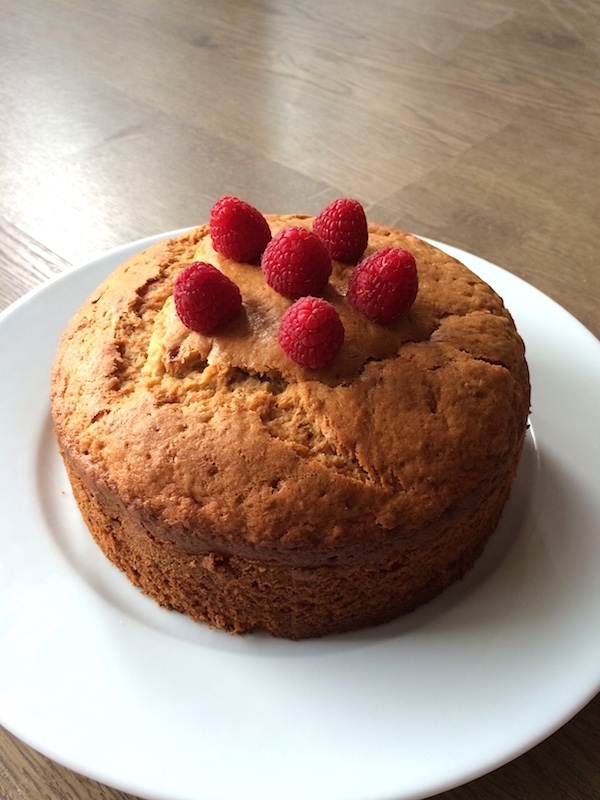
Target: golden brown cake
[[246, 491]]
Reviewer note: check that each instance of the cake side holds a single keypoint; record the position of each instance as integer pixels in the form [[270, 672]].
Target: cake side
[[240, 594]]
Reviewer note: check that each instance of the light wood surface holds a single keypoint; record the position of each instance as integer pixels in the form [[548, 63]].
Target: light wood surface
[[476, 123]]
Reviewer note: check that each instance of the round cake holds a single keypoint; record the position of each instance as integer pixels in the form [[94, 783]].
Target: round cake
[[236, 486]]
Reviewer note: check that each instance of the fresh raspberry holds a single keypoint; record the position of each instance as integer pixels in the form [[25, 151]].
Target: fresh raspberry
[[383, 287], [311, 332], [204, 297], [238, 230], [342, 226], [296, 263]]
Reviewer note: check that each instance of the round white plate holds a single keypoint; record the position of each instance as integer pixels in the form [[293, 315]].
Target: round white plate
[[100, 679]]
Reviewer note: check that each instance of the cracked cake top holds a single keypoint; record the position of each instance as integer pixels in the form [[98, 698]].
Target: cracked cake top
[[224, 442]]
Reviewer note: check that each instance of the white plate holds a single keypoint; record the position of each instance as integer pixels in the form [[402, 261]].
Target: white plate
[[100, 679]]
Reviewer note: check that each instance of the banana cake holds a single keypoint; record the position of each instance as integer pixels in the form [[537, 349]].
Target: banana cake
[[252, 490]]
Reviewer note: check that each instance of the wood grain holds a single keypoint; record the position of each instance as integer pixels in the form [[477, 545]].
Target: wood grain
[[24, 263], [475, 122]]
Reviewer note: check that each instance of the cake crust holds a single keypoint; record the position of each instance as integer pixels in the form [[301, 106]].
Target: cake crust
[[249, 492]]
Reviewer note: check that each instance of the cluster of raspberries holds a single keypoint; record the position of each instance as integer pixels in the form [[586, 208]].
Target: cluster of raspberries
[[297, 263]]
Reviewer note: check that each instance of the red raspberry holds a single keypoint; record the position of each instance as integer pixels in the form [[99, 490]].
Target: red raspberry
[[342, 225], [238, 230], [204, 297], [296, 263], [383, 287], [311, 332]]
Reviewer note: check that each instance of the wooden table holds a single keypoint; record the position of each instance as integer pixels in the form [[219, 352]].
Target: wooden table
[[476, 123]]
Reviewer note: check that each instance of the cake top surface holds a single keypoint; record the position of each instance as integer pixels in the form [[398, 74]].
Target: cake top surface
[[225, 441]]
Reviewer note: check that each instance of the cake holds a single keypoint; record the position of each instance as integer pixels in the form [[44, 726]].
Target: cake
[[236, 486]]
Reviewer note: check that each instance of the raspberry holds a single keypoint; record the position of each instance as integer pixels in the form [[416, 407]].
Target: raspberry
[[296, 263], [204, 297], [383, 287], [238, 230], [311, 332], [342, 226]]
